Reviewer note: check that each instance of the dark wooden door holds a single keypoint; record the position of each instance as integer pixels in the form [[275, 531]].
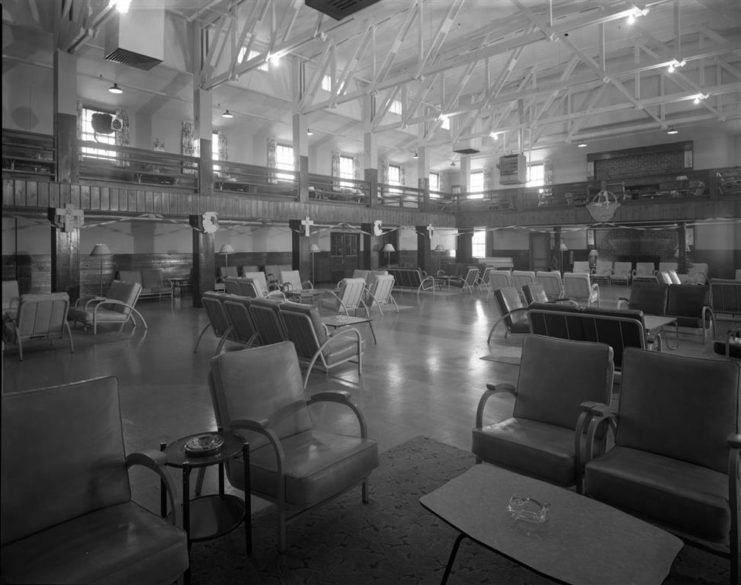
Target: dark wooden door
[[540, 251], [344, 255]]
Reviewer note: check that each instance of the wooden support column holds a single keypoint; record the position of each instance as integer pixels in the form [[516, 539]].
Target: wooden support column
[[424, 254], [464, 249], [301, 150], [682, 248], [202, 110], [65, 117], [370, 150], [300, 249], [423, 176], [65, 262], [204, 261], [371, 246]]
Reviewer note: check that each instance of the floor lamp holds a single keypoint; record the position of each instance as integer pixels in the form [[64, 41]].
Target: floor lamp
[[101, 250], [564, 248], [226, 249], [314, 250], [388, 248]]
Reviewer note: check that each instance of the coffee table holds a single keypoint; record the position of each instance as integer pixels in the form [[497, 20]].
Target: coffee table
[[655, 323], [336, 321], [583, 541]]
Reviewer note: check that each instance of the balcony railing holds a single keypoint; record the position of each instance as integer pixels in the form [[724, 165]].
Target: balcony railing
[[324, 188], [256, 181], [26, 154], [399, 196]]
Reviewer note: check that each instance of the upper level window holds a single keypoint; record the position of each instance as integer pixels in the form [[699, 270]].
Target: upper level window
[[284, 161], [434, 181], [90, 135], [395, 107], [445, 123], [327, 83], [535, 175], [347, 170], [394, 175], [252, 55], [476, 185]]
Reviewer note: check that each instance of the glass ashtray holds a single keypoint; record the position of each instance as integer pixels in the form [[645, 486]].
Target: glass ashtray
[[528, 509]]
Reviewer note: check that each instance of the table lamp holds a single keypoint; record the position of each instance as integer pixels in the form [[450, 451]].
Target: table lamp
[[563, 248], [101, 250], [388, 248]]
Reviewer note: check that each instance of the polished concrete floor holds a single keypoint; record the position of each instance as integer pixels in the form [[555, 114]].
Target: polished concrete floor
[[423, 377]]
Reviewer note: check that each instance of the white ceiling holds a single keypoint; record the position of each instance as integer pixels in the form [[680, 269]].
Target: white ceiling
[[538, 73]]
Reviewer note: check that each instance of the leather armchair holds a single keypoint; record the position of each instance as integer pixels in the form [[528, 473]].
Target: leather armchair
[[675, 460], [67, 513], [118, 306], [38, 316], [258, 394], [542, 438]]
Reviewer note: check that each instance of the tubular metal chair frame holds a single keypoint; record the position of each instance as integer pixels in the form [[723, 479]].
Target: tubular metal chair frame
[[384, 297], [218, 320], [352, 290], [51, 330], [97, 303]]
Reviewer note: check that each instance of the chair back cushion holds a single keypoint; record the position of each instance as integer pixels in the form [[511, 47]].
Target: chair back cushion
[[351, 292], [62, 455], [266, 317], [551, 282], [213, 302], [256, 383], [522, 277], [382, 287], [292, 278], [621, 271], [499, 279], [686, 301], [42, 314], [237, 311], [644, 269], [557, 375], [649, 297], [534, 293], [261, 283], [304, 327], [679, 407], [577, 286], [126, 292], [130, 276], [508, 300]]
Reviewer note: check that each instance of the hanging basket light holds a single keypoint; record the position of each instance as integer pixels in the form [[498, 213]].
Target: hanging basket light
[[603, 206]]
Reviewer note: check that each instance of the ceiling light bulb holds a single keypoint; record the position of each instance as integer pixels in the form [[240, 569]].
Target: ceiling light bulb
[[274, 58], [415, 155], [581, 145], [631, 18], [121, 5], [227, 114], [309, 132], [672, 131], [115, 89]]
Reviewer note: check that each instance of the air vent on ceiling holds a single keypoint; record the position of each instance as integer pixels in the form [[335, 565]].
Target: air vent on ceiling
[[137, 38], [466, 150], [339, 9]]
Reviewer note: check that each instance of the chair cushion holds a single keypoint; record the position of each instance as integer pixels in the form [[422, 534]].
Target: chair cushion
[[680, 495], [121, 544], [102, 315], [537, 449], [341, 349], [318, 465]]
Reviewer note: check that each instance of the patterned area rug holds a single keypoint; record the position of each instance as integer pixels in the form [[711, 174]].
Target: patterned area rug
[[391, 540]]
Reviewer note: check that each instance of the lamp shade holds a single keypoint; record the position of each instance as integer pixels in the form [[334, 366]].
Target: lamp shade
[[388, 248], [439, 248], [593, 253], [314, 249], [226, 249], [564, 247], [100, 250]]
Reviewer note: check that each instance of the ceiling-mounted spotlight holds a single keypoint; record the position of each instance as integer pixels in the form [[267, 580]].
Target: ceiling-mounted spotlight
[[699, 97], [672, 131], [494, 135], [115, 89], [227, 114], [635, 13], [122, 6]]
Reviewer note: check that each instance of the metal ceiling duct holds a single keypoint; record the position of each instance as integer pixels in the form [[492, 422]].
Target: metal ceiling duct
[[339, 9], [137, 38]]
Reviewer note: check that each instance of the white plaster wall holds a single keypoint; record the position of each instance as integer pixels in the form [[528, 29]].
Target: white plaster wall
[[33, 236]]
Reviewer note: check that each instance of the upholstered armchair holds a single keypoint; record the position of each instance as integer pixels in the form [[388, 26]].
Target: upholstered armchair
[[258, 394], [512, 311], [649, 297], [38, 316], [67, 513], [552, 283], [349, 296], [644, 271], [579, 287], [290, 281], [117, 307], [314, 344], [621, 272], [522, 278], [675, 460], [266, 317], [11, 298], [542, 437], [218, 322], [379, 292], [535, 293]]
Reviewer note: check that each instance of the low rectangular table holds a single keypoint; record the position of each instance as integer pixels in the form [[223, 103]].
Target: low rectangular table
[[583, 542], [336, 321], [655, 323]]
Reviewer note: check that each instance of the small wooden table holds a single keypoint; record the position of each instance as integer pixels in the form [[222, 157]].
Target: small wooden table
[[336, 321], [583, 541], [653, 324]]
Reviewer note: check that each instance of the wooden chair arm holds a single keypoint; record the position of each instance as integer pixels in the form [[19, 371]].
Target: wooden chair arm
[[155, 460], [491, 390], [342, 397]]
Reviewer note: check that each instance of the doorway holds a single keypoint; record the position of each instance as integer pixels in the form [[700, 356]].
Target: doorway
[[344, 254], [540, 251]]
